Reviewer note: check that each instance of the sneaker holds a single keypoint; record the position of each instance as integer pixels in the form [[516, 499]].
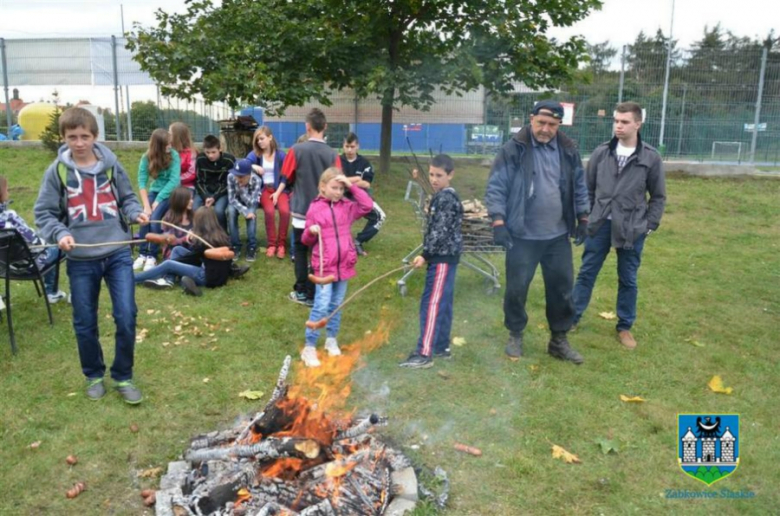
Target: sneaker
[[139, 263], [96, 389], [236, 253], [280, 252], [359, 249], [309, 357], [236, 271], [446, 354], [57, 297], [251, 254], [417, 361], [298, 297], [514, 346], [158, 284], [332, 347], [150, 263], [625, 338], [560, 348], [129, 392], [271, 251], [189, 286]]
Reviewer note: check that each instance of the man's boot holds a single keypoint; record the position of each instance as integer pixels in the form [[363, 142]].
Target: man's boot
[[559, 347], [514, 346]]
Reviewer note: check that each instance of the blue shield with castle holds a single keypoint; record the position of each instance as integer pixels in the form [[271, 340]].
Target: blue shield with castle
[[708, 445]]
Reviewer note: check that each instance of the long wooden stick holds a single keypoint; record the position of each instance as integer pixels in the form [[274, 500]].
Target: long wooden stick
[[99, 244], [322, 322], [174, 226]]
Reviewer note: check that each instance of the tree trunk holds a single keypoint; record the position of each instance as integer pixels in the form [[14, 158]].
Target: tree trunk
[[386, 138]]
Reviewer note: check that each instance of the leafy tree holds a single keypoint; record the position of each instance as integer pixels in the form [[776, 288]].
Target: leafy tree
[[601, 56], [398, 51]]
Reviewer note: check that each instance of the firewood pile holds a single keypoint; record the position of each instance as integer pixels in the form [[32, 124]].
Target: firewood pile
[[291, 459], [476, 229]]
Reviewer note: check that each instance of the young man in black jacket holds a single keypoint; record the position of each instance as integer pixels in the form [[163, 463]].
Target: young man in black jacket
[[627, 191], [442, 246], [358, 170]]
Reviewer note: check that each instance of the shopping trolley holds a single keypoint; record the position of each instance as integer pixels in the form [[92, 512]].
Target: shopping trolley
[[477, 241]]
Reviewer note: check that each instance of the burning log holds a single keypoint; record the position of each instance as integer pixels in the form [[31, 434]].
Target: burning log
[[271, 448], [279, 391], [360, 428]]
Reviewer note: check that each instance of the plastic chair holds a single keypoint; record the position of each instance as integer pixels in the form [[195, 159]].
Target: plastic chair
[[17, 262]]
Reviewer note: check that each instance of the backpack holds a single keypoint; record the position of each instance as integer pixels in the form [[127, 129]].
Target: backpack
[[62, 173]]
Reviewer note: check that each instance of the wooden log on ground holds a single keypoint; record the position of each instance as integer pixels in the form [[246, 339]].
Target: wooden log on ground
[[267, 449]]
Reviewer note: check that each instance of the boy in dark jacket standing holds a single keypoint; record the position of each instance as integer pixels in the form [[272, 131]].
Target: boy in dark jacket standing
[[359, 171], [85, 198], [627, 192], [442, 246]]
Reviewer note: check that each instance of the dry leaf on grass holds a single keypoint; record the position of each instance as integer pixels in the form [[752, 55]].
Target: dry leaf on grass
[[565, 456], [458, 341], [206, 380], [150, 473], [610, 316], [35, 445], [694, 342], [251, 395], [716, 385], [635, 399], [245, 303]]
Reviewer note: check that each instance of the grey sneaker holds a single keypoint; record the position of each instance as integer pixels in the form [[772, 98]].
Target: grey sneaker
[[559, 347], [514, 346], [96, 389], [417, 361], [190, 287], [158, 284], [129, 392]]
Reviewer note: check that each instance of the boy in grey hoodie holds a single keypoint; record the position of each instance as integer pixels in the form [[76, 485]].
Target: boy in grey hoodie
[[86, 198]]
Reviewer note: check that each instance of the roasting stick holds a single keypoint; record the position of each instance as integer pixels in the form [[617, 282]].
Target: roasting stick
[[99, 244], [321, 279], [324, 321]]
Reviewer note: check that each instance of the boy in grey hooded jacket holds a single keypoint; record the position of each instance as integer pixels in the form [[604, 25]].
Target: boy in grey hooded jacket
[[86, 198]]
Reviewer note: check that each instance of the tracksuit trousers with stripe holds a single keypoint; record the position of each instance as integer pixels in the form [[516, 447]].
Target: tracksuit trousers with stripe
[[436, 308]]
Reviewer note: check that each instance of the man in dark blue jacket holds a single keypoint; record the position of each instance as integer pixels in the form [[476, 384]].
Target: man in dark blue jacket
[[537, 198]]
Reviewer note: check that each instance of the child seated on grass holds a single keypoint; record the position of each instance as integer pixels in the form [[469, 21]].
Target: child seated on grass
[[194, 268]]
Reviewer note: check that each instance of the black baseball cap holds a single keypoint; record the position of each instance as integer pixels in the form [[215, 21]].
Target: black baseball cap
[[548, 107]]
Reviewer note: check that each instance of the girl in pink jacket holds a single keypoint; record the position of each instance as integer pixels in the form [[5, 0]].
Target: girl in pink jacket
[[329, 220]]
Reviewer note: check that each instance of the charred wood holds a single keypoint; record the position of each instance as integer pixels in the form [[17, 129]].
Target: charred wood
[[359, 428], [271, 448]]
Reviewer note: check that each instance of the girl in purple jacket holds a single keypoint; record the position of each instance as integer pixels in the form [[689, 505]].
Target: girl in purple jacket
[[329, 220]]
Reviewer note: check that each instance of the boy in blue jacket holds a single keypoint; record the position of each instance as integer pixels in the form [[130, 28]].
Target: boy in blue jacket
[[442, 246], [85, 198]]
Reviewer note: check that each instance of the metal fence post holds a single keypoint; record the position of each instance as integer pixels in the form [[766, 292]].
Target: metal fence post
[[682, 120], [757, 117], [622, 74], [129, 115], [5, 87], [116, 87], [666, 84]]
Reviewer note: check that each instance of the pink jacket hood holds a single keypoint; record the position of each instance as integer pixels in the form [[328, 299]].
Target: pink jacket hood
[[335, 220]]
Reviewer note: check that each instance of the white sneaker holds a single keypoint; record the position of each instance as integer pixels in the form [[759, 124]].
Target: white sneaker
[[57, 297], [332, 347], [151, 262], [139, 263], [158, 284], [309, 357]]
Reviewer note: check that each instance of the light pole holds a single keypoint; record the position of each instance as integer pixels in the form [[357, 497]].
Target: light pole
[[666, 82]]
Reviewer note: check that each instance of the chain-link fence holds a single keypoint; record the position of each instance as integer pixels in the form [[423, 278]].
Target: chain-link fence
[[704, 104]]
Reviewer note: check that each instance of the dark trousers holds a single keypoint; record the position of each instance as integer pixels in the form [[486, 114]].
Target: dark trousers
[[628, 260], [436, 308], [374, 220], [558, 272], [85, 279], [301, 254]]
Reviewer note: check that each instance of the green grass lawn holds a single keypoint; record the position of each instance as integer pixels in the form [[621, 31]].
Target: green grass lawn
[[709, 304]]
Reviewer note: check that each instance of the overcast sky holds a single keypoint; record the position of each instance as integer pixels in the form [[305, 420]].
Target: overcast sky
[[619, 21]]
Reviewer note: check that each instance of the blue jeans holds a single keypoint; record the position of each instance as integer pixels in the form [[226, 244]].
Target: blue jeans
[[148, 248], [220, 206], [436, 308], [50, 278], [171, 267], [251, 229], [85, 278], [326, 299], [628, 260]]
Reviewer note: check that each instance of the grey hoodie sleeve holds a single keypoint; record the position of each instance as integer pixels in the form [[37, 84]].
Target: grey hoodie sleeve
[[48, 208], [127, 201], [656, 187]]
